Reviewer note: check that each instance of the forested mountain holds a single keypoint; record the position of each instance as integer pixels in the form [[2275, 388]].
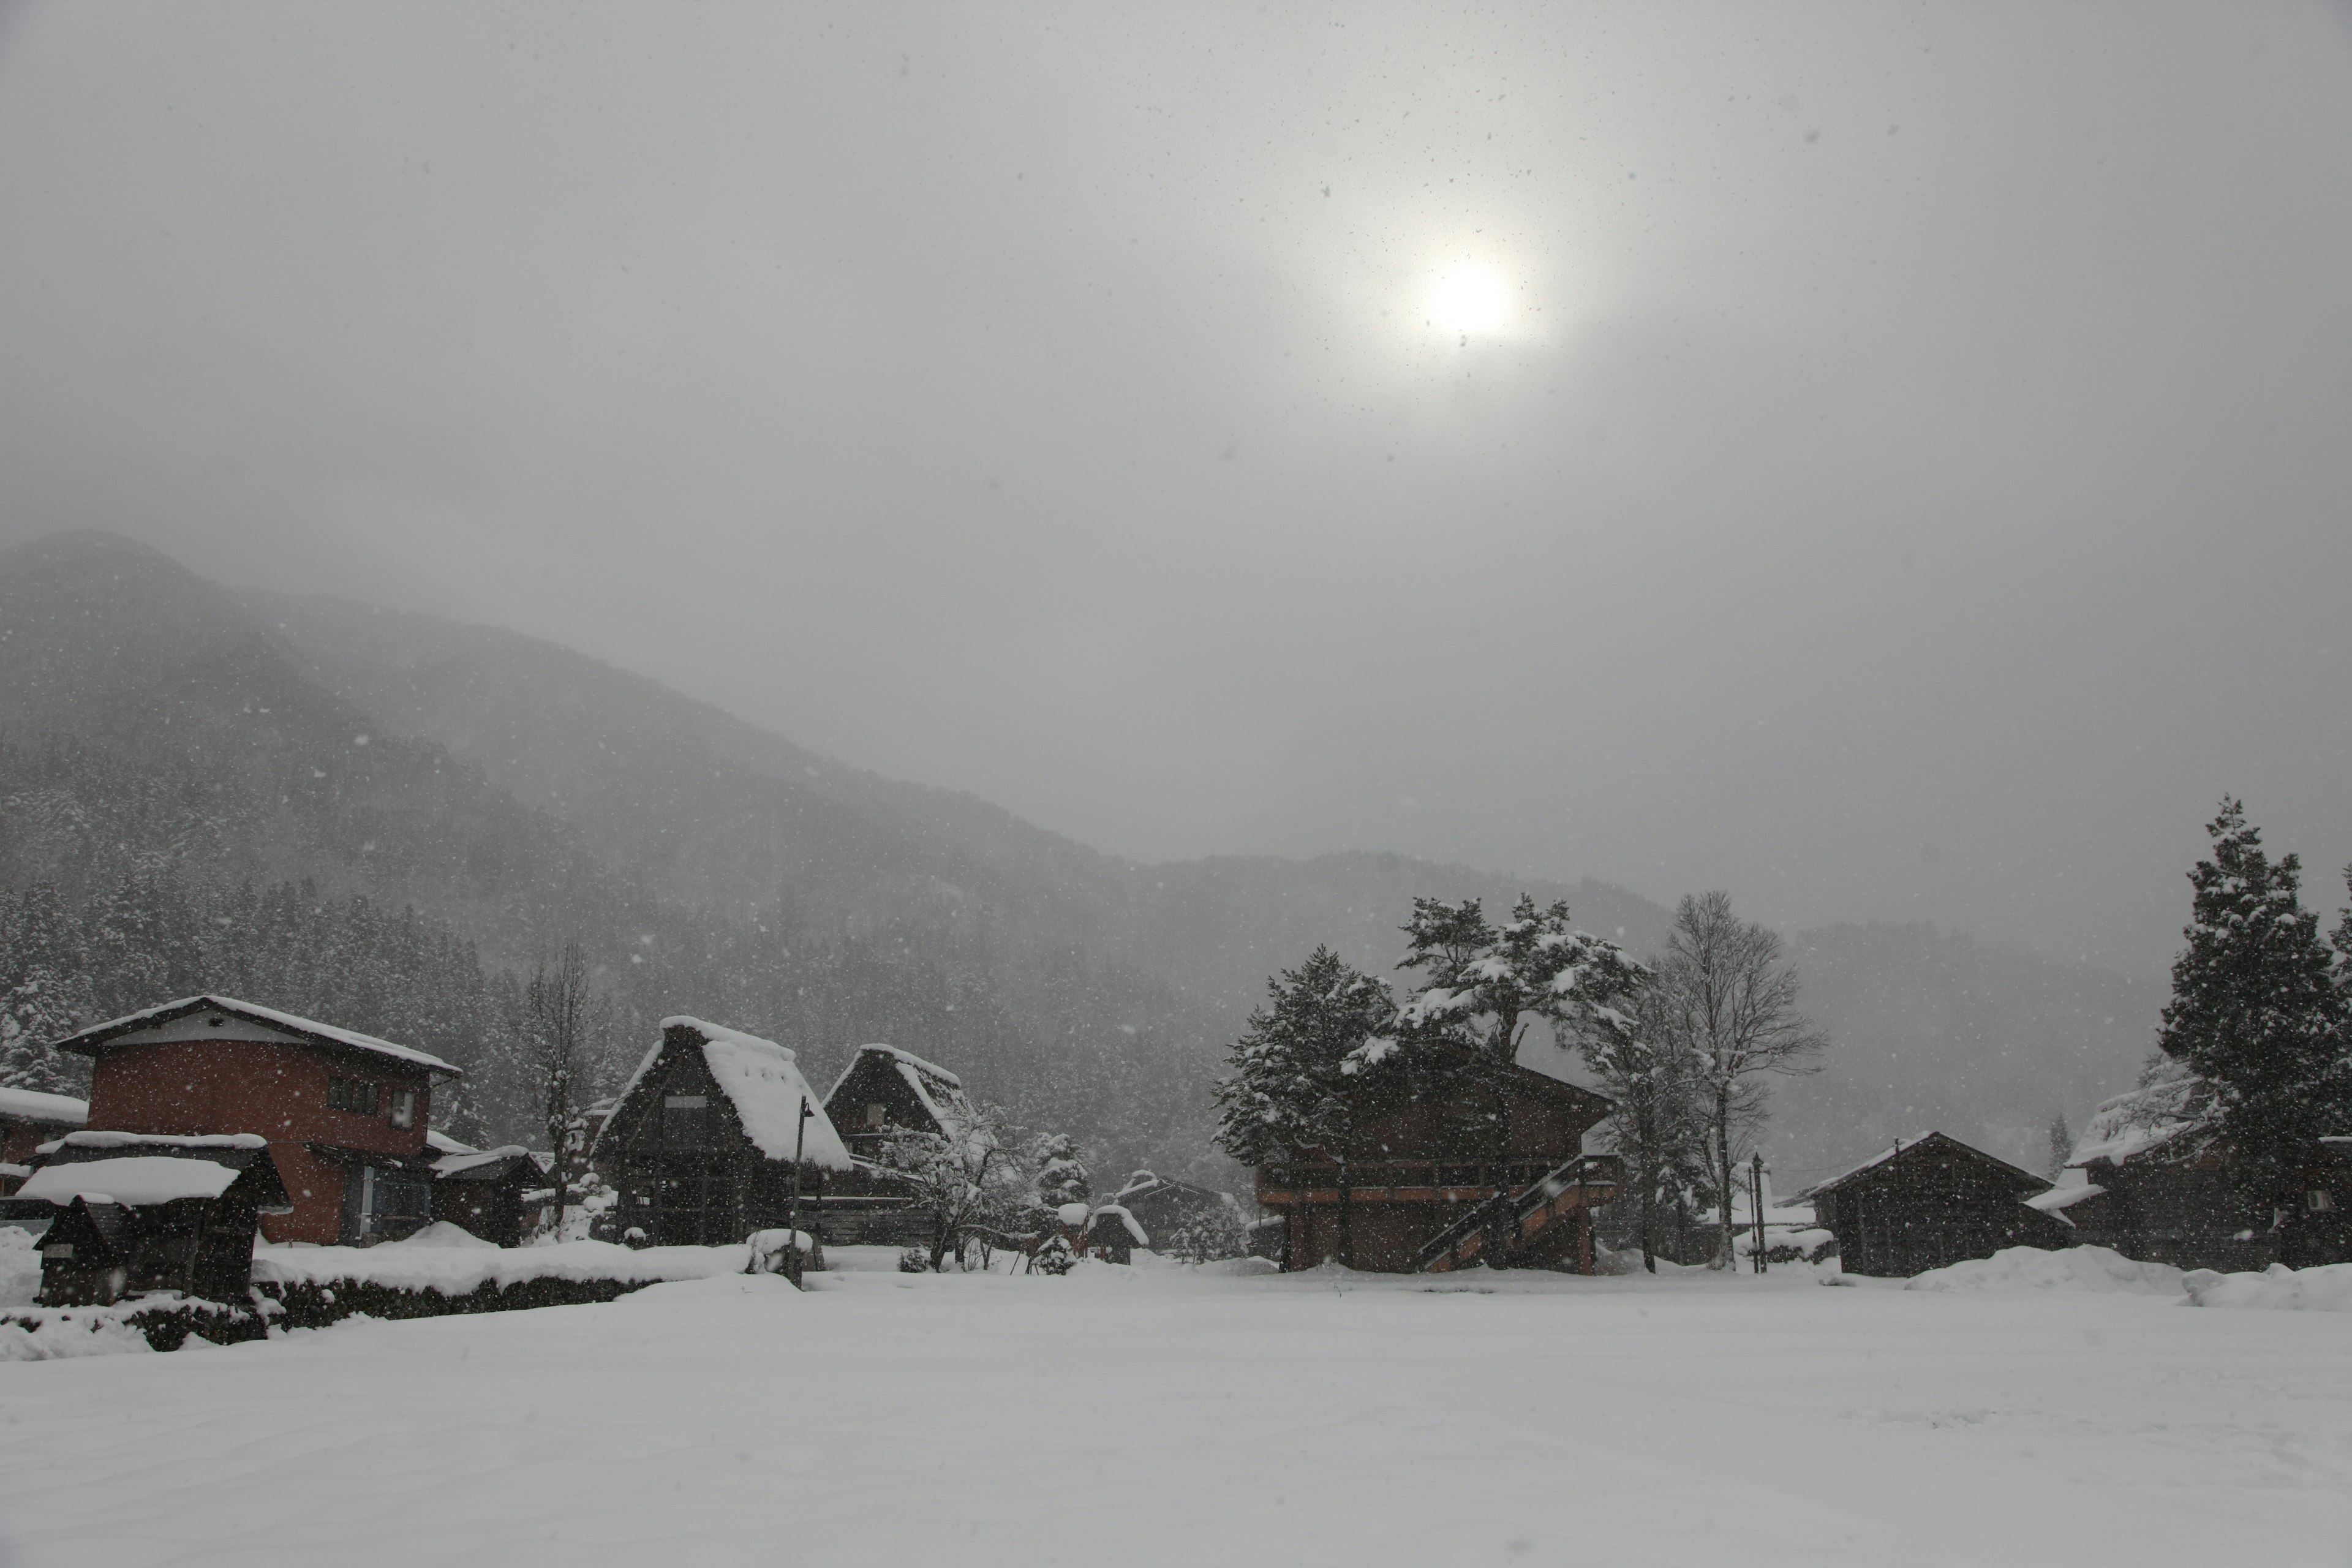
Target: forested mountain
[[314, 755]]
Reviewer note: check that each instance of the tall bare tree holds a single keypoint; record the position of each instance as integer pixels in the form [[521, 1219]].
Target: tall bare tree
[[1726, 996], [556, 1022]]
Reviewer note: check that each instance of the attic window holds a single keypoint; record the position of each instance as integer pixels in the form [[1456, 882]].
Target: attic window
[[2321, 1201], [873, 1113], [214, 1022]]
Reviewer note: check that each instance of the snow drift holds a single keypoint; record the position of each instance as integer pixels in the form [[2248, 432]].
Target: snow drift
[[2326, 1289], [2094, 1269]]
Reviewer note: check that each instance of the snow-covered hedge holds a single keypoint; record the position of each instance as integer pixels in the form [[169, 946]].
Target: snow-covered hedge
[[2326, 1289], [445, 1260]]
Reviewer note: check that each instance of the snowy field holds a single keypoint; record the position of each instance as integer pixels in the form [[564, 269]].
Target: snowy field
[[1160, 1415]]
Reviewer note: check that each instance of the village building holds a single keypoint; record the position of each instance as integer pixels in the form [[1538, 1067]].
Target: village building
[[884, 1094], [486, 1192], [344, 1114], [1928, 1201], [1422, 1194], [1113, 1234], [2152, 1177], [29, 1119], [1169, 1209], [700, 1145], [137, 1213]]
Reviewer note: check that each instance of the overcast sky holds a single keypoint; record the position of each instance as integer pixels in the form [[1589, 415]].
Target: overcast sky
[[1910, 476]]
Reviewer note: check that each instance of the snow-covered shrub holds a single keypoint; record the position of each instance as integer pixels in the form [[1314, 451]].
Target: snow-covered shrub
[[1055, 1255], [915, 1260]]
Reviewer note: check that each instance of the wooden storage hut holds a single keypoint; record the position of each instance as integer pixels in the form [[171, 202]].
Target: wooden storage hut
[[886, 1093], [29, 1119], [483, 1190], [700, 1145], [1167, 1208], [138, 1214], [1422, 1192], [1113, 1234], [344, 1114], [1928, 1201]]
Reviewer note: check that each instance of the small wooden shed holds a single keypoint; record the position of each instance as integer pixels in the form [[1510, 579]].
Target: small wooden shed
[[700, 1145], [1928, 1201], [142, 1213], [1113, 1234], [885, 1093], [29, 1119], [482, 1190]]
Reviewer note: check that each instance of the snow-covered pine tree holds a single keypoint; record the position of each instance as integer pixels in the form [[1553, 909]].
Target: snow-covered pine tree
[[1317, 1059], [1483, 983], [1061, 1176], [1053, 1255], [2257, 1010], [47, 994]]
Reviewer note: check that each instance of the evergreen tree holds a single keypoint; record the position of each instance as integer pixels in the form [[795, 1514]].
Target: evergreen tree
[[2257, 1009], [45, 995], [1659, 1124], [1316, 1062], [2061, 1146], [1482, 984], [1061, 1175]]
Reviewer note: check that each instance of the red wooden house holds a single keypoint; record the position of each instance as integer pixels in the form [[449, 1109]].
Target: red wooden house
[[343, 1113]]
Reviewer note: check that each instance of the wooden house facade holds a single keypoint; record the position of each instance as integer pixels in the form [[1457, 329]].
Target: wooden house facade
[[1928, 1201], [139, 1214], [1167, 1208], [883, 1094], [344, 1114], [1420, 1191], [700, 1146]]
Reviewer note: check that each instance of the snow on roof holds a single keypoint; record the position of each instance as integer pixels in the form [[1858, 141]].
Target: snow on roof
[[133, 1180], [766, 1088], [95, 1039], [1858, 1168], [2171, 1103], [101, 1139], [31, 1105], [1555, 1062], [1113, 1211], [2058, 1198], [474, 1159], [908, 1058], [442, 1143]]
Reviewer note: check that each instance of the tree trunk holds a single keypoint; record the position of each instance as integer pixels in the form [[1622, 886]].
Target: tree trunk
[[1723, 1176], [1346, 1216], [1649, 1243]]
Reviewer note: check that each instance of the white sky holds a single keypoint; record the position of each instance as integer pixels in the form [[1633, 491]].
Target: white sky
[[1910, 482]]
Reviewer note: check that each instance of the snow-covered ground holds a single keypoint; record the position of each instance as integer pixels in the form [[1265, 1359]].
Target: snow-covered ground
[[1160, 1415]]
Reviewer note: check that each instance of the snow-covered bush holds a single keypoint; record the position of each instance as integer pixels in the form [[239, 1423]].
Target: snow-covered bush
[[915, 1260], [1055, 1255]]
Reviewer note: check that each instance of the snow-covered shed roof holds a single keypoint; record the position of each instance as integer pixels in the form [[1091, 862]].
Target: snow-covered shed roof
[[132, 1179], [49, 1109], [1902, 1146], [191, 1018], [2058, 1199], [442, 1143], [762, 1081], [105, 1138], [475, 1160]]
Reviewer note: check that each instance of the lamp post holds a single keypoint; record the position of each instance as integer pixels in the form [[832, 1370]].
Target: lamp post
[[1756, 1198], [793, 1213]]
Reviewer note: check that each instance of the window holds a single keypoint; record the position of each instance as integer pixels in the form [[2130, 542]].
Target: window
[[403, 1108], [355, 1095], [874, 1110], [2322, 1201]]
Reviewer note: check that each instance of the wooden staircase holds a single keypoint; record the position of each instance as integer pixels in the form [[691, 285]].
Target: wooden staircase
[[1515, 1227]]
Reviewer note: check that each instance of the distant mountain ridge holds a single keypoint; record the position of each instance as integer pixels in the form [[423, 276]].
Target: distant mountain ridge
[[512, 786]]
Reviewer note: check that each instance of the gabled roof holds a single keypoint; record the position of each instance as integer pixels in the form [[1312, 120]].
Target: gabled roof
[[939, 1091], [2171, 1105], [1150, 1183], [49, 1109], [90, 1042], [1112, 1214], [762, 1083], [1903, 1146]]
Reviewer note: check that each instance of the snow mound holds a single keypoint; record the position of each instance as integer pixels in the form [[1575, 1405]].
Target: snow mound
[[96, 1333], [2326, 1289], [441, 1233], [2093, 1269], [20, 1269]]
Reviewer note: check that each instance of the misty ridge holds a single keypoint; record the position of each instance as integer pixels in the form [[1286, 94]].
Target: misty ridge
[[466, 792]]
